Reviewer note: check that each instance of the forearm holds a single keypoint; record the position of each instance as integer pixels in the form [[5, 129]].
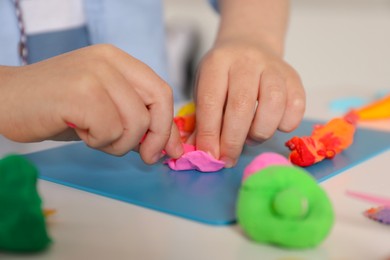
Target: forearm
[[260, 21], [5, 74]]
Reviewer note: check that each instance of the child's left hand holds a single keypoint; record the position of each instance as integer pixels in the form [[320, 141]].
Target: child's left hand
[[232, 78]]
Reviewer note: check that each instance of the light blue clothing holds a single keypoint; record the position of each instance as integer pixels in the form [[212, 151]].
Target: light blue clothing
[[135, 26], [45, 45], [9, 34]]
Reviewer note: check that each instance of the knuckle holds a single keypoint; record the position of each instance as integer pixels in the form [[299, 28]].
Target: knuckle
[[115, 132], [166, 92], [94, 142], [206, 133], [105, 51], [215, 57], [86, 86], [89, 90], [107, 138], [207, 101], [275, 94], [297, 104], [86, 78], [97, 66], [242, 103], [233, 145], [162, 92], [251, 55]]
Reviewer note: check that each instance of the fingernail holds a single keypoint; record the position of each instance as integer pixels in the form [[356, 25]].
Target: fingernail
[[179, 150], [251, 142], [212, 153], [229, 163], [157, 157]]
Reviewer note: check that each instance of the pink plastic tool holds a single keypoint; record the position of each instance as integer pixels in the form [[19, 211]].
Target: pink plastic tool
[[369, 198]]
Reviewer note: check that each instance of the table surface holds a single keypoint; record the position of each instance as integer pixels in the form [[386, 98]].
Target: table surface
[[88, 226]]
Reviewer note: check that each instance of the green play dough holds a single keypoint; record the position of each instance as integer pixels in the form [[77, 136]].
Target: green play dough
[[22, 223], [284, 205], [290, 203]]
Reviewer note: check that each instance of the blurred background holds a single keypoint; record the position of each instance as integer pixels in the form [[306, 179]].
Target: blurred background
[[335, 45]]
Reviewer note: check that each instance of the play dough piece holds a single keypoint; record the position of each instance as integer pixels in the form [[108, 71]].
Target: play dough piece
[[283, 205], [379, 214], [187, 109], [291, 203], [324, 143], [22, 221], [379, 109], [196, 160], [369, 198], [185, 123], [185, 120], [193, 159], [263, 160]]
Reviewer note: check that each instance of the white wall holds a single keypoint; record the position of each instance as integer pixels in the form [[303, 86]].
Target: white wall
[[333, 44]]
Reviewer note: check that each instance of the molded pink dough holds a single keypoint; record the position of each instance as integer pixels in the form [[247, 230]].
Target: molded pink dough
[[195, 160], [264, 160]]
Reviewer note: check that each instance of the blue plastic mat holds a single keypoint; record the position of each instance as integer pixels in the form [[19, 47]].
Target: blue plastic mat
[[205, 197]]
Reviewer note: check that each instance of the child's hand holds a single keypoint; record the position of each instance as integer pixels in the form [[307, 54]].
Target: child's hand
[[110, 98], [232, 78]]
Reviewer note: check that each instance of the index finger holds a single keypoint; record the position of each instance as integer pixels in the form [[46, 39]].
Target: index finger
[[157, 97], [210, 100]]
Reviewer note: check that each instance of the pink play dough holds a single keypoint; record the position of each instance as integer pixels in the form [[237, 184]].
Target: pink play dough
[[263, 160], [195, 160]]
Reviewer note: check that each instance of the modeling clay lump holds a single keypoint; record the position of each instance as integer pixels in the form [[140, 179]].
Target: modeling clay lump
[[324, 143], [335, 136], [380, 214], [193, 159], [379, 109], [22, 221], [185, 120], [283, 205]]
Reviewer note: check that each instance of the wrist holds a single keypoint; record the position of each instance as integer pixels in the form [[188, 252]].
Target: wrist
[[260, 22], [272, 44]]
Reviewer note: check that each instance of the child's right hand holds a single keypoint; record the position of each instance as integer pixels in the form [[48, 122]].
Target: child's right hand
[[112, 98]]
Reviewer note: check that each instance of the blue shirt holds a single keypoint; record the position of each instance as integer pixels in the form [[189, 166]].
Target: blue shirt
[[135, 26]]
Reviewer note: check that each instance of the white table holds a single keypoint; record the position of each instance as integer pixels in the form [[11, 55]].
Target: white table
[[88, 226]]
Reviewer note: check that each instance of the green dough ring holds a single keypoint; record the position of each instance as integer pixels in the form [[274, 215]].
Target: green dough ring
[[284, 205], [22, 223]]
